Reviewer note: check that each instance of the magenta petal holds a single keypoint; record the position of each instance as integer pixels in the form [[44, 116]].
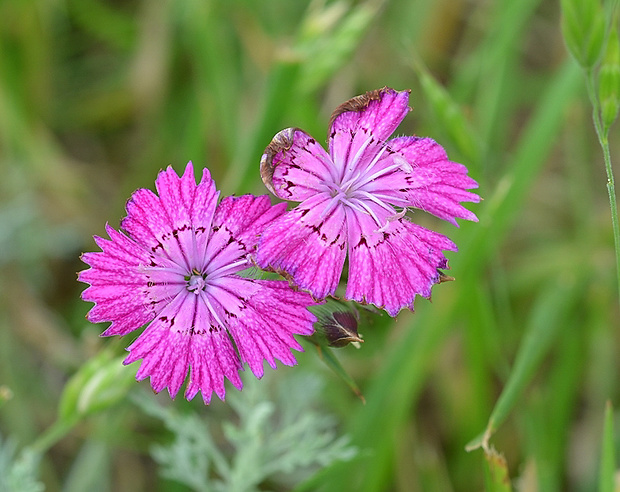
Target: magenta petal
[[307, 247], [246, 217], [435, 184], [118, 285], [362, 125], [175, 224], [263, 323], [294, 165], [183, 336], [237, 224], [389, 268]]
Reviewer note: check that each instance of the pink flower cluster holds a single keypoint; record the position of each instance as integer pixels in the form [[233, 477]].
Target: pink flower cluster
[[176, 265]]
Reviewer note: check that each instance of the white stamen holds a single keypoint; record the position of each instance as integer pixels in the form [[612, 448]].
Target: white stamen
[[332, 204], [399, 163], [353, 162], [228, 268], [211, 309], [392, 218], [362, 207]]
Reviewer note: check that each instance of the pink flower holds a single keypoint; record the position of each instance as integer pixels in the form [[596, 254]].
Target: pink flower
[[176, 269], [347, 205]]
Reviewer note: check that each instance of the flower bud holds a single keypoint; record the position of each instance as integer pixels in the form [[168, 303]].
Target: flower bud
[[100, 383], [583, 27], [336, 325], [341, 329], [609, 80]]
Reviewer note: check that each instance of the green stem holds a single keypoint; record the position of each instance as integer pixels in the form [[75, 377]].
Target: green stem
[[52, 435], [611, 188]]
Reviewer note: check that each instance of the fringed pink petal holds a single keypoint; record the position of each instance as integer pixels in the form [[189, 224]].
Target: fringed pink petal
[[120, 286], [237, 224], [433, 184], [307, 245], [175, 224], [389, 268], [184, 335], [263, 317], [294, 165], [359, 127]]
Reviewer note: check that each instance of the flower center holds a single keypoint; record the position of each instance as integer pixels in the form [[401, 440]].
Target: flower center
[[196, 282]]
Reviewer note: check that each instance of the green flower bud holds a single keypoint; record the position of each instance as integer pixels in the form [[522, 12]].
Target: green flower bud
[[609, 80], [583, 28], [100, 383]]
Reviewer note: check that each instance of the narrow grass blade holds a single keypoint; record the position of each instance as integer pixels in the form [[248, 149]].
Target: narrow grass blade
[[607, 468], [548, 316], [451, 117], [537, 139], [334, 364]]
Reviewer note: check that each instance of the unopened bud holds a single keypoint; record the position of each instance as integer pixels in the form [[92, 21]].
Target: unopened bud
[[583, 28], [100, 383], [336, 325], [609, 80], [341, 329]]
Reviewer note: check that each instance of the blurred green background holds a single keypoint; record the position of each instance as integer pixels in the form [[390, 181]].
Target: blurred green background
[[96, 97]]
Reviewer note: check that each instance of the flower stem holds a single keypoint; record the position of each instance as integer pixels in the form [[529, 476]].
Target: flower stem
[[602, 135], [52, 435]]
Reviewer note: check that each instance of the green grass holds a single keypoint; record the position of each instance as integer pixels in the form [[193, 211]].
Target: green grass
[[516, 359]]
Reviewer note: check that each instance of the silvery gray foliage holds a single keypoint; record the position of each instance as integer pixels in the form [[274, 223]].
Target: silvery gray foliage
[[18, 472], [270, 440]]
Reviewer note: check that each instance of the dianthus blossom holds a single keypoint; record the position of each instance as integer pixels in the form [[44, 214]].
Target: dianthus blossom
[[176, 269], [354, 201]]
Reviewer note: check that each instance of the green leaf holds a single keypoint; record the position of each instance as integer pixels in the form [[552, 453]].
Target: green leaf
[[449, 114]]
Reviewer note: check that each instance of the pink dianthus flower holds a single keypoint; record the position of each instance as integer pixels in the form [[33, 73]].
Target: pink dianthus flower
[[176, 270], [348, 198]]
